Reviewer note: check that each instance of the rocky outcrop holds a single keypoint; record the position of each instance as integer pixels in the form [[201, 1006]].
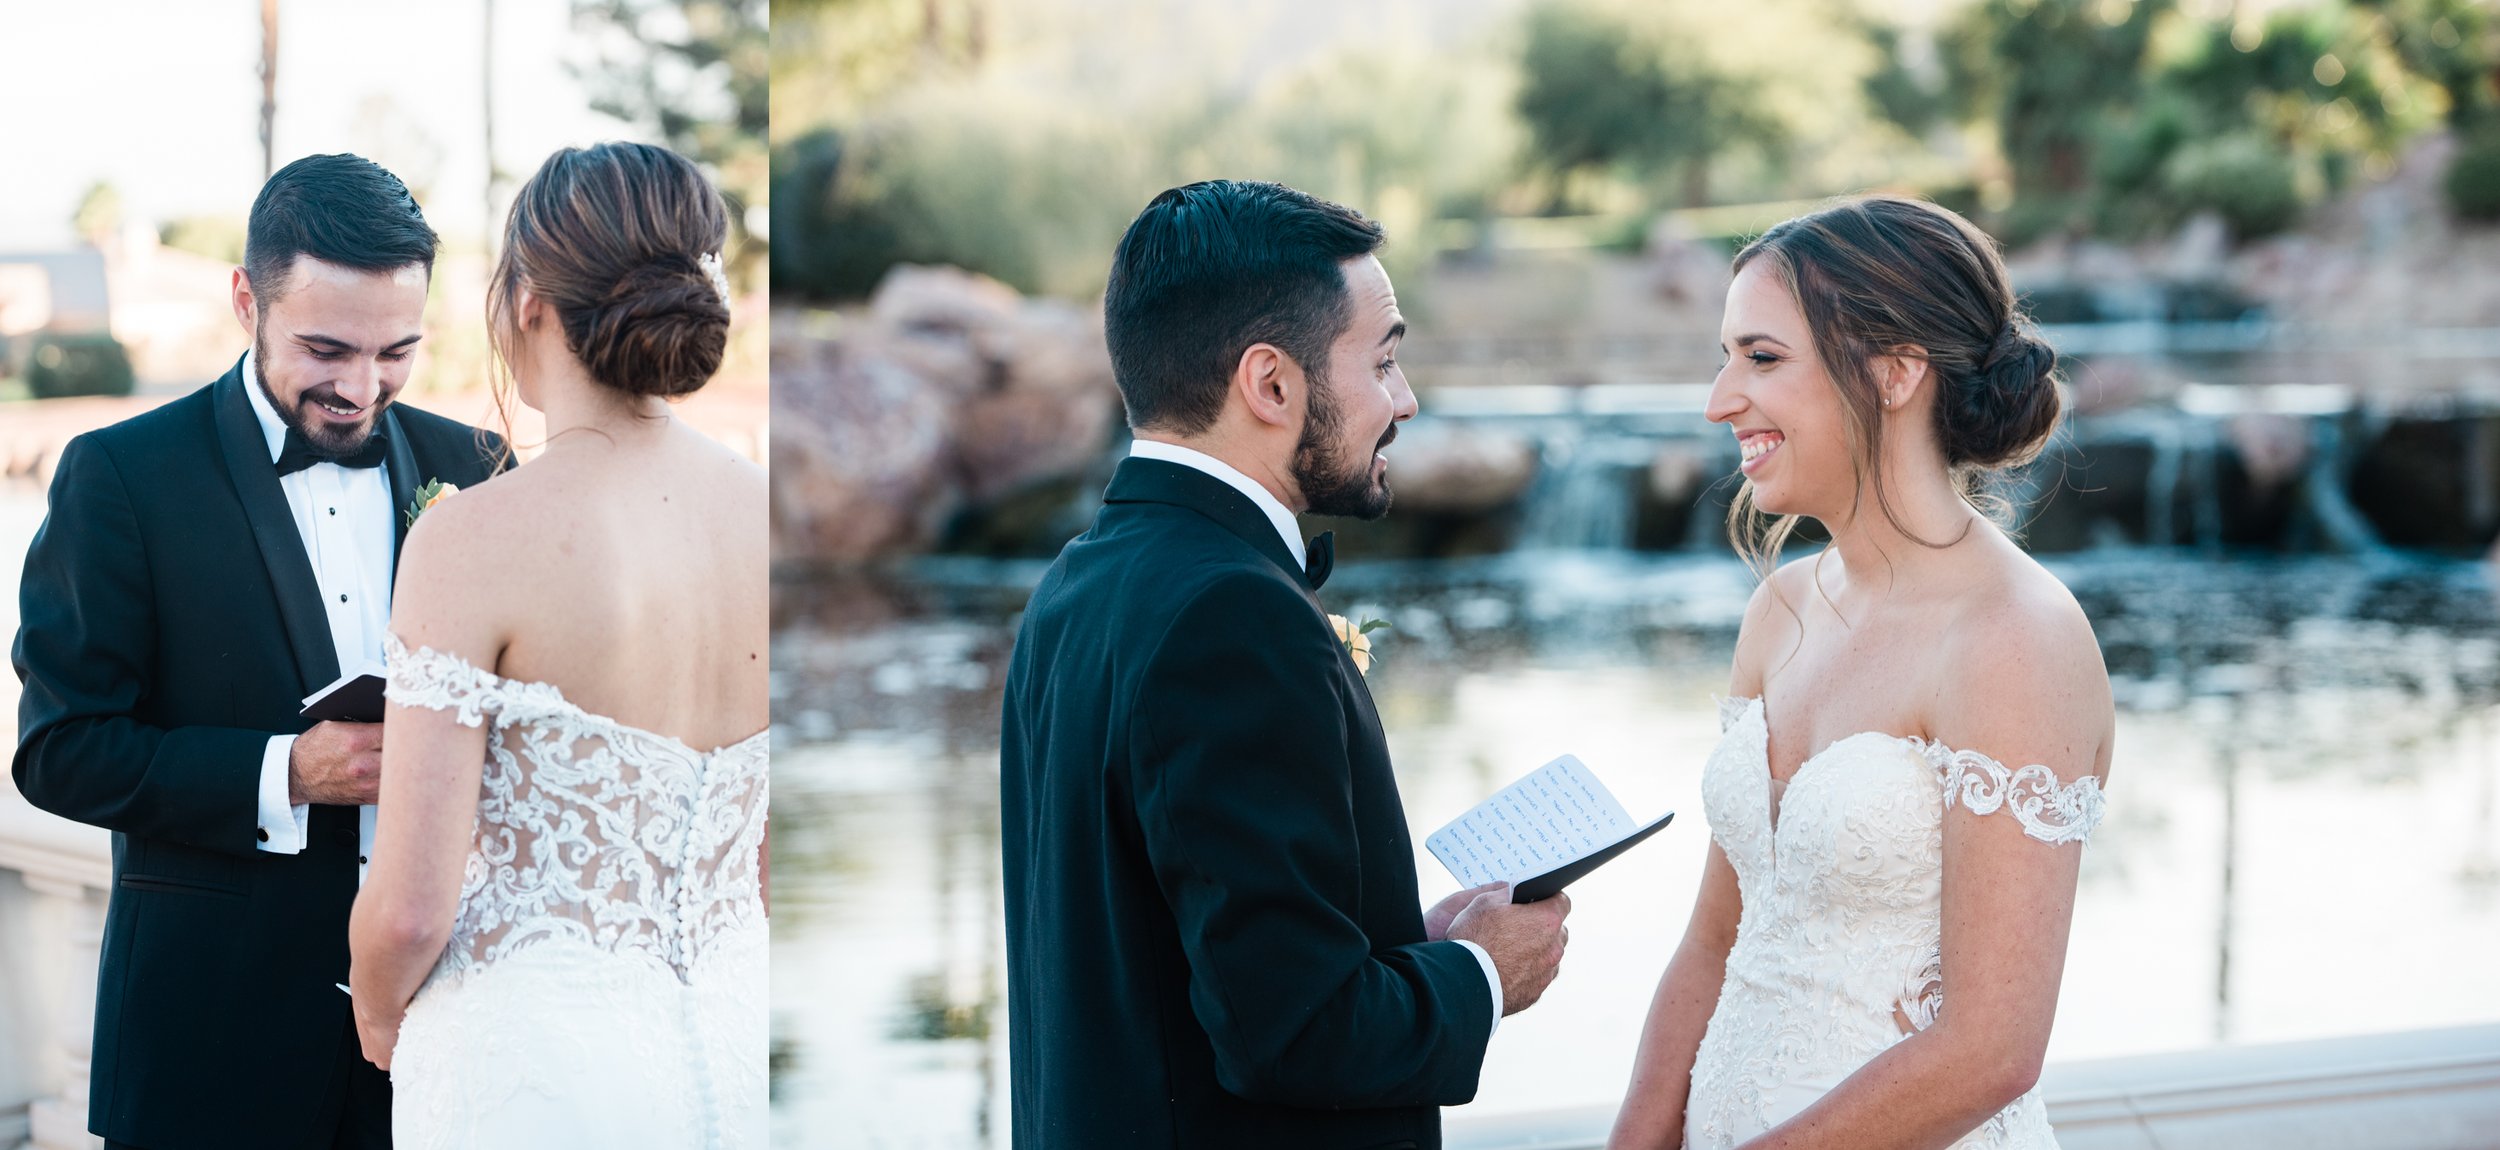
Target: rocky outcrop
[[949, 393], [1444, 468]]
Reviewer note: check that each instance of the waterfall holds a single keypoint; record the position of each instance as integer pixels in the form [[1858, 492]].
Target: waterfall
[[1583, 496]]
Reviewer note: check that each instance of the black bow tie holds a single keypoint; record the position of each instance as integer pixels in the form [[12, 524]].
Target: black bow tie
[[1322, 561], [300, 453]]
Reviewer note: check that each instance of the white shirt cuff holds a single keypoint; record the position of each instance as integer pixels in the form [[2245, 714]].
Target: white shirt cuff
[[1492, 977], [283, 825]]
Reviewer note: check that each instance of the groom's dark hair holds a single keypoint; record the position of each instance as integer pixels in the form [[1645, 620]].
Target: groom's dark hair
[[340, 209], [1207, 270]]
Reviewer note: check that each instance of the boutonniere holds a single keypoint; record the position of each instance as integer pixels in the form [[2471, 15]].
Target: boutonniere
[[434, 491], [1356, 638]]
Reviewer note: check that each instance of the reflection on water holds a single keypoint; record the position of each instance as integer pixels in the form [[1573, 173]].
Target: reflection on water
[[2301, 837]]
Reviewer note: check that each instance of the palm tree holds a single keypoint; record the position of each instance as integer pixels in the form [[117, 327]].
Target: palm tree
[[268, 88], [494, 175]]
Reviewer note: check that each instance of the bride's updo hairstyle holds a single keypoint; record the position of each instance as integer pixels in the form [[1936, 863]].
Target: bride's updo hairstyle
[[1875, 275], [623, 241]]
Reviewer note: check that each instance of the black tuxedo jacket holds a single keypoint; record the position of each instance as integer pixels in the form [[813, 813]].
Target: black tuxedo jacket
[[169, 625], [1214, 937]]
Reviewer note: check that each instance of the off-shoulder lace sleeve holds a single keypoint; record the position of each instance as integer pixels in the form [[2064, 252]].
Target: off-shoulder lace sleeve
[[1732, 708], [439, 681], [2048, 811]]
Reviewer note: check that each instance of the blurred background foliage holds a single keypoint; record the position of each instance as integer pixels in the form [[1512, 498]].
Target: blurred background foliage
[[1017, 139]]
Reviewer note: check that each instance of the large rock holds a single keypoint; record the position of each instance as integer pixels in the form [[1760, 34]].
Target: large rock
[[1444, 469], [860, 452], [948, 393]]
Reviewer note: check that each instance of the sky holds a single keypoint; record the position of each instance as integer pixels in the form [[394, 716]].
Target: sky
[[162, 98]]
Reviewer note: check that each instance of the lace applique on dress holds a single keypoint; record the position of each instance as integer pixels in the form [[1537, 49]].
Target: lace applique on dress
[[2048, 812], [589, 829]]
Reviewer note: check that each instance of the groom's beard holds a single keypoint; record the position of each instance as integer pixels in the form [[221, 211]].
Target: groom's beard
[[1332, 484], [329, 437]]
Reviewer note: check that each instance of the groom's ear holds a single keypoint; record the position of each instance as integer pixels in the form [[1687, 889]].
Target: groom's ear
[[1267, 381], [246, 306]]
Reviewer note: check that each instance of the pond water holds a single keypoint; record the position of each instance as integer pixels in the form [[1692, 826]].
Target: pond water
[[2301, 840]]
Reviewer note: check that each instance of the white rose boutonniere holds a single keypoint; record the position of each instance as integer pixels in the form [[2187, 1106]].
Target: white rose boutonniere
[[1356, 638], [434, 491]]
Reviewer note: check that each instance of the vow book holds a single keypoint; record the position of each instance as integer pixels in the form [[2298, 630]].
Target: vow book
[[355, 698], [1540, 833]]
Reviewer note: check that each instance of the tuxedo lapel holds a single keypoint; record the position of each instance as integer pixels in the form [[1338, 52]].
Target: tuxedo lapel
[[273, 528], [1155, 481], [400, 461]]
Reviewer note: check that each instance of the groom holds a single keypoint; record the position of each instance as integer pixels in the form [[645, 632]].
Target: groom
[[1213, 938], [203, 568]]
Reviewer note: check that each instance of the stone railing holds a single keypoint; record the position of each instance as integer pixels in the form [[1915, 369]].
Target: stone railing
[[54, 875], [2407, 1090]]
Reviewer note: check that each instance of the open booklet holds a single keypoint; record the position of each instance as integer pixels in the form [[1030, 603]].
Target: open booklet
[[1540, 833], [356, 697]]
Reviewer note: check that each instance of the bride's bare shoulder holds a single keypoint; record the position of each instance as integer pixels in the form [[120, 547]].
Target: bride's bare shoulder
[[453, 535], [501, 541], [2023, 674], [540, 529]]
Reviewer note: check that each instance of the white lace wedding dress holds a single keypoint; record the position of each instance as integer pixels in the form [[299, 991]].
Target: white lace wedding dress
[[1841, 924], [605, 980]]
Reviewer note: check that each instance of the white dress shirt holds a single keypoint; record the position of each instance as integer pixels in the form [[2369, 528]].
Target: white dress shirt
[[343, 515], [1283, 519]]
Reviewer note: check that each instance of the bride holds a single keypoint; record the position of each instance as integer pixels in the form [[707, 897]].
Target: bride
[[561, 940], [1920, 726]]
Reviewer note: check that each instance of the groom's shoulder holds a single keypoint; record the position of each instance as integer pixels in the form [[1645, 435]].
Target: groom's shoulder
[[442, 436], [1157, 561], [159, 429]]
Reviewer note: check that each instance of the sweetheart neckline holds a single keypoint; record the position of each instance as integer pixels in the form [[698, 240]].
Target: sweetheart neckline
[[391, 639], [1926, 749], [1774, 804], [1755, 703]]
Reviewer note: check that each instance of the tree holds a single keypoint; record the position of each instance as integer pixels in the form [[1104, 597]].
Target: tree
[[2048, 72], [1602, 93], [99, 215], [2454, 44], [2253, 120], [268, 88], [486, 105]]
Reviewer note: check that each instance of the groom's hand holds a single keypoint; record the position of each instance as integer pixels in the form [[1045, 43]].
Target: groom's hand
[[339, 764], [1437, 920], [1525, 939]]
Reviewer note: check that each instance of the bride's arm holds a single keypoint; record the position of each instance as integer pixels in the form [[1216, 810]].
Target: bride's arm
[[427, 808], [1652, 1117], [2029, 689], [1662, 1071]]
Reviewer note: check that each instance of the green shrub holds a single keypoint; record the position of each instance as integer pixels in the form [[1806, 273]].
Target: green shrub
[[64, 365], [2473, 181], [2241, 177], [827, 243]]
